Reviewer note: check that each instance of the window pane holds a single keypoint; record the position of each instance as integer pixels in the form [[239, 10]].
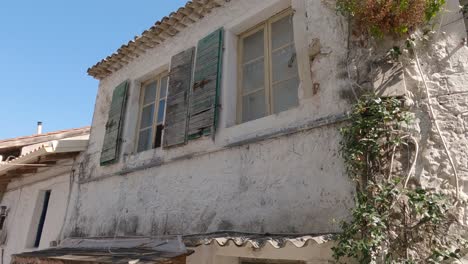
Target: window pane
[[253, 106], [285, 95], [144, 140], [150, 93], [253, 76], [253, 46], [161, 111], [147, 115], [282, 32], [163, 91], [284, 64]]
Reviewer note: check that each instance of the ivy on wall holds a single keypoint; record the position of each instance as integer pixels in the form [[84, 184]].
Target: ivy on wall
[[395, 220]]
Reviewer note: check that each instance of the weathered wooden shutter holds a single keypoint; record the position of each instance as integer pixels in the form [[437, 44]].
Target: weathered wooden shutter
[[180, 79], [203, 111], [114, 125]]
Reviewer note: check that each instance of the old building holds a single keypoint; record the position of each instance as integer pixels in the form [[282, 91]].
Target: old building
[[36, 174], [211, 125], [221, 124]]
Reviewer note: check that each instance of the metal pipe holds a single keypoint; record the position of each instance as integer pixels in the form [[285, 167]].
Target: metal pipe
[[39, 127]]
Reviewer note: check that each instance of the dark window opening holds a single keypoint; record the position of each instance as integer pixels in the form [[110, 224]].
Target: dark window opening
[[40, 227], [3, 215], [158, 139]]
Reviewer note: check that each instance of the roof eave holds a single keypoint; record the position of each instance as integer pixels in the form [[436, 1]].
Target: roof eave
[[162, 30]]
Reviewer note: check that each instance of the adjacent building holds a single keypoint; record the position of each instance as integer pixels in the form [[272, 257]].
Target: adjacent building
[[36, 174]]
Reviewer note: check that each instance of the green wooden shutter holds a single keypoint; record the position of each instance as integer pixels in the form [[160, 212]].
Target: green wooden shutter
[[114, 125], [203, 111], [180, 79]]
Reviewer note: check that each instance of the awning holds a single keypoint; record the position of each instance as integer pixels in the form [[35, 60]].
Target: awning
[[167, 250], [256, 240]]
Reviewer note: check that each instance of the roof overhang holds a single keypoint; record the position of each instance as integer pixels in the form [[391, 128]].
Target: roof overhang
[[20, 142], [162, 30], [43, 156], [167, 250], [256, 241]]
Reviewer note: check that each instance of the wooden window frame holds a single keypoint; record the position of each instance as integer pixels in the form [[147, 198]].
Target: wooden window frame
[[266, 25], [156, 102]]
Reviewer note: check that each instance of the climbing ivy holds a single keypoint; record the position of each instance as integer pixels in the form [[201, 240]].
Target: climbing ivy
[[395, 220]]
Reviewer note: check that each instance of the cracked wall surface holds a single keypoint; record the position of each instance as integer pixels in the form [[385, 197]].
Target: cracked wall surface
[[278, 174]]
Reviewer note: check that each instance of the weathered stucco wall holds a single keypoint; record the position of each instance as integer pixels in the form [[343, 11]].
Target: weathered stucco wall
[[444, 63], [443, 57], [311, 253], [292, 182], [23, 197]]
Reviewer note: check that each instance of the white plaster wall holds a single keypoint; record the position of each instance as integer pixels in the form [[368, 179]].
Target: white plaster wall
[[232, 254], [290, 184], [21, 198], [444, 63]]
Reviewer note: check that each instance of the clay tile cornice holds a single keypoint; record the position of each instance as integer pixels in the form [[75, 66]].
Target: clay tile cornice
[[162, 30]]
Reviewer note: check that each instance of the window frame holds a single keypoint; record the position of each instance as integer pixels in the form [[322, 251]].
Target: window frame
[[159, 77], [266, 25]]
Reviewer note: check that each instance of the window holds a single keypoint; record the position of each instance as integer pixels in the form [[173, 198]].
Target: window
[[38, 219], [3, 215], [268, 68], [152, 113]]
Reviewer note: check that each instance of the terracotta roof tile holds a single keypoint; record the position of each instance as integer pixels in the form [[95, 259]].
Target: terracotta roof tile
[[163, 29]]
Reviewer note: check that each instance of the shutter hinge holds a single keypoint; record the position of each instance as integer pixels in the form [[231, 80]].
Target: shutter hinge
[[201, 83]]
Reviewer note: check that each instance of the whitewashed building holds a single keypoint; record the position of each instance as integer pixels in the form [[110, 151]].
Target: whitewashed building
[[218, 128], [211, 125], [36, 173]]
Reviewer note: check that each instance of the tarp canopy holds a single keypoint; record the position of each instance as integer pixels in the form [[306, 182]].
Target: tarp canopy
[[167, 250]]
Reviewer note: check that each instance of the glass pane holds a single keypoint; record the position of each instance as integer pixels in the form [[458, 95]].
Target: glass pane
[[144, 140], [253, 46], [147, 115], [285, 95], [253, 106], [150, 93], [161, 111], [163, 91], [253, 76], [282, 32], [284, 64]]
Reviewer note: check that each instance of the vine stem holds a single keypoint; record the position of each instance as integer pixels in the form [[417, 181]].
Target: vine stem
[[434, 118], [391, 164], [413, 164]]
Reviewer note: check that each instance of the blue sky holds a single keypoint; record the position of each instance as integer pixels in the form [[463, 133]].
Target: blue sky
[[47, 46]]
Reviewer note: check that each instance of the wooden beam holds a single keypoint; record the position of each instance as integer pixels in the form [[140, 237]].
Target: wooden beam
[[24, 171], [58, 156]]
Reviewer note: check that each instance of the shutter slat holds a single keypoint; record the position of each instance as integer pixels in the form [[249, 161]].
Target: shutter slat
[[114, 125], [180, 80], [205, 90]]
